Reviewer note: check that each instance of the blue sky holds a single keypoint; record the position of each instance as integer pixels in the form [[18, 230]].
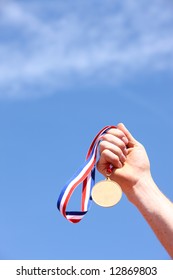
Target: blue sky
[[67, 69]]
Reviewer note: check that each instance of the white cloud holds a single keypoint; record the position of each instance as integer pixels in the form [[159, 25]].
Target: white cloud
[[45, 46]]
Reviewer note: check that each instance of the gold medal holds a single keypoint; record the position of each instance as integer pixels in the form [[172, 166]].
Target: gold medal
[[106, 193]]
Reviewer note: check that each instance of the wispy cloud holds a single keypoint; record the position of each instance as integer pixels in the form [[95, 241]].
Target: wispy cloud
[[45, 45]]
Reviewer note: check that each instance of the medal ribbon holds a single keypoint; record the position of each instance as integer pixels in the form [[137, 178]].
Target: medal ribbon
[[86, 175]]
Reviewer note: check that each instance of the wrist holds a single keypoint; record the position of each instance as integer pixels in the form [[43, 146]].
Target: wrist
[[143, 190]]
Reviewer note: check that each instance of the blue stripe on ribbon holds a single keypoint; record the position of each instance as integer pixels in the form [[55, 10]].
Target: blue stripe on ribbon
[[77, 173]]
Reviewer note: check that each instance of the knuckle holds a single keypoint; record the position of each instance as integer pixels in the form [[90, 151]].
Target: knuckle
[[103, 145], [106, 137], [122, 145], [105, 153]]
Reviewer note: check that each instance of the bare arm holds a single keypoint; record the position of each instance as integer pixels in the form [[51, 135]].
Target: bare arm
[[156, 209], [132, 172]]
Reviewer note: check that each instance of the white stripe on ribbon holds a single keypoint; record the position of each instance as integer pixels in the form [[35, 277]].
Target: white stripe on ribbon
[[83, 175]]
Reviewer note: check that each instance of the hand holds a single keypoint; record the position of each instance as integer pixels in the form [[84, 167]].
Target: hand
[[132, 172], [128, 156]]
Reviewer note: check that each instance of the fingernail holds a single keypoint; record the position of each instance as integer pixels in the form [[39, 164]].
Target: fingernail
[[125, 140], [119, 164], [125, 152], [123, 158]]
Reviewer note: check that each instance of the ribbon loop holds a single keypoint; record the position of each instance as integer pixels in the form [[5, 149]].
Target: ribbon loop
[[86, 175]]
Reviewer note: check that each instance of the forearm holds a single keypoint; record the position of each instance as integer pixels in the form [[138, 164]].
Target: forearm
[[156, 209], [132, 173]]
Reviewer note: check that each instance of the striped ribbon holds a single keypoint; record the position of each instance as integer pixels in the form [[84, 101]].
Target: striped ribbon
[[86, 175]]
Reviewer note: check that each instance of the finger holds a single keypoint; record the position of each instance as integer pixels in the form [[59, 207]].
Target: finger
[[107, 157], [118, 133], [131, 140], [115, 141], [116, 146]]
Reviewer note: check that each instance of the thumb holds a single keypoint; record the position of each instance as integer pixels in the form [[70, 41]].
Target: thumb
[[132, 141]]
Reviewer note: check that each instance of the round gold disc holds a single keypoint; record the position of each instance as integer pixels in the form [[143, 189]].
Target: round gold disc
[[106, 193]]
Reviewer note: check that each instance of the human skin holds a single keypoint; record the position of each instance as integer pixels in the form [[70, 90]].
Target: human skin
[[132, 172]]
